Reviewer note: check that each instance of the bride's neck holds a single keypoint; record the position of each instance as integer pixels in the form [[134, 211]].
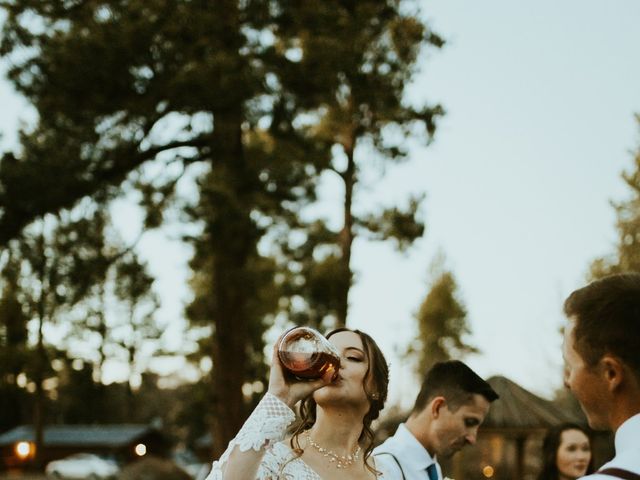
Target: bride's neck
[[337, 429]]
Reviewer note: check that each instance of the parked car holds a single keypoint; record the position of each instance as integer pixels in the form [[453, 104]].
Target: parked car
[[82, 466]]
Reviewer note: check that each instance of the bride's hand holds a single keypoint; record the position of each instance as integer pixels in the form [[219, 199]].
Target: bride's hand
[[291, 391]]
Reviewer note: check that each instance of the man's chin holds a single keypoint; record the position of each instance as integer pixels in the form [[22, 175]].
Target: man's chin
[[596, 423], [449, 453]]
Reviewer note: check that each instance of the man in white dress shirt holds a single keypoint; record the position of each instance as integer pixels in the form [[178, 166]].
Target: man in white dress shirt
[[452, 403], [602, 365]]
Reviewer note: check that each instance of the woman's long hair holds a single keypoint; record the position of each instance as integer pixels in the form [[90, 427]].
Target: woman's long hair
[[376, 379], [550, 447]]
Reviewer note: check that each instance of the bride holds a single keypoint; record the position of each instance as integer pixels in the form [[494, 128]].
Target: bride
[[334, 438]]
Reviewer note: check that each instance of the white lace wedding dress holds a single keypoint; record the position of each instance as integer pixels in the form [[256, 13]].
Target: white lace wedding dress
[[266, 428]]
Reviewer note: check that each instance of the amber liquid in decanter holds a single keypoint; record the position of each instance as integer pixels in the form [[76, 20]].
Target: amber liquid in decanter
[[307, 355]]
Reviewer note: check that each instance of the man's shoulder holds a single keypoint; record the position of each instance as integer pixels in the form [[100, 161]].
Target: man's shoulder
[[393, 444], [634, 473], [387, 453], [628, 459], [390, 445], [387, 463]]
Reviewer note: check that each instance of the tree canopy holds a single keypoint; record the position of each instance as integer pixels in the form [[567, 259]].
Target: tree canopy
[[442, 322], [225, 116]]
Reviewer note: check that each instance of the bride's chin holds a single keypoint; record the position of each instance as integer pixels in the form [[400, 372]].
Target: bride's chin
[[326, 395]]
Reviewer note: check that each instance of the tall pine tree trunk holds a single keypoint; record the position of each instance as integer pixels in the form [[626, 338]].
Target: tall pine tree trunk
[[232, 243], [346, 234], [40, 359], [230, 252]]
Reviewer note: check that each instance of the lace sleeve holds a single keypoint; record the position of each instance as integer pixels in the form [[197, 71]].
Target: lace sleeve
[[266, 426]]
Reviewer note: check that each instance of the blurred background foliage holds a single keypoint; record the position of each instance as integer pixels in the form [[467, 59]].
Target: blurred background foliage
[[246, 106], [221, 119]]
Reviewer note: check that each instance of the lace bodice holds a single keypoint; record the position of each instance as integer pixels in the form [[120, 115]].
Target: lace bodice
[[266, 428]]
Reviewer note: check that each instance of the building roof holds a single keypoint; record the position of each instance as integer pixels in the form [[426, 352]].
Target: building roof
[[519, 409], [86, 435]]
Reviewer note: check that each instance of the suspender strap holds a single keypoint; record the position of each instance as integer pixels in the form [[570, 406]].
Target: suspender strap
[[395, 460], [620, 473]]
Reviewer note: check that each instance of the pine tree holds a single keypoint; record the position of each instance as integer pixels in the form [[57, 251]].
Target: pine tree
[[140, 96], [442, 323], [627, 255], [361, 56], [240, 104]]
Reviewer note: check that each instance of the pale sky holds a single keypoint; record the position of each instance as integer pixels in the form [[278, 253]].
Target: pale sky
[[540, 98]]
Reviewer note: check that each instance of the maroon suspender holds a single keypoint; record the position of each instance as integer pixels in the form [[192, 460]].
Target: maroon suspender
[[620, 473]]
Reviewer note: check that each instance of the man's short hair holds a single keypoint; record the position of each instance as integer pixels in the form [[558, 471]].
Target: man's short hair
[[607, 319], [454, 381]]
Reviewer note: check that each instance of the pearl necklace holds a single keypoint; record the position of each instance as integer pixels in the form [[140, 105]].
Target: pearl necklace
[[341, 461]]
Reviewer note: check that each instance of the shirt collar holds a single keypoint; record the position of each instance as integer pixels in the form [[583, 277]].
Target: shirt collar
[[627, 433], [414, 452]]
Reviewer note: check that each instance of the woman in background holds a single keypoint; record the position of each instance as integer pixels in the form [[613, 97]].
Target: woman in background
[[566, 453]]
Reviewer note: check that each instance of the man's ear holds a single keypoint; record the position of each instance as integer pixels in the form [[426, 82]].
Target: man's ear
[[437, 404], [613, 371]]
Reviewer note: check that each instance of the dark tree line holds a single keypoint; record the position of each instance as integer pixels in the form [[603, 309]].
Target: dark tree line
[[63, 273], [247, 105]]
